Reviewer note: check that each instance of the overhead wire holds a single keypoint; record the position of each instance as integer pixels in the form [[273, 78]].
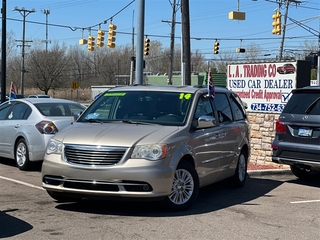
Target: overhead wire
[[110, 18], [75, 28]]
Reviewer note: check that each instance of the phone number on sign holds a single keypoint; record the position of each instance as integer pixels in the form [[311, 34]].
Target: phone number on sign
[[267, 107]]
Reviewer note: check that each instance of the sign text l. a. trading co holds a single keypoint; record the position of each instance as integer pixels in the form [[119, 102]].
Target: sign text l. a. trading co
[[265, 87]]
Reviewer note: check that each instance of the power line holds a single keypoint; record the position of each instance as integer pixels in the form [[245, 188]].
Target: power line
[[110, 18], [164, 36]]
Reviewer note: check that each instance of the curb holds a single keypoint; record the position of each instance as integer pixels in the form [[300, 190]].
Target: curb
[[253, 173]]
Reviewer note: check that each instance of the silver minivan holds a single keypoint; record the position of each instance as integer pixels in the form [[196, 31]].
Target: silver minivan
[[154, 142]]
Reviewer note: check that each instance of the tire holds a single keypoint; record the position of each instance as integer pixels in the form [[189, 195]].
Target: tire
[[240, 174], [22, 155], [304, 173], [185, 188], [61, 198]]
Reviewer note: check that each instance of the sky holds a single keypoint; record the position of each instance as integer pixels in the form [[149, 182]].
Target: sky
[[70, 20]]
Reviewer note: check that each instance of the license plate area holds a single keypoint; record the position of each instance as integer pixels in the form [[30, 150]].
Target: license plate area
[[305, 132]]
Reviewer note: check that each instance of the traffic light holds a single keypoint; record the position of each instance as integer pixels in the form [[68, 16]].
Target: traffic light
[[100, 38], [91, 43], [276, 24], [216, 47], [111, 34], [240, 50], [146, 46], [83, 41]]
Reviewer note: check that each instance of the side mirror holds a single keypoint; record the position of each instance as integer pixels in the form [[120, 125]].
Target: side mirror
[[76, 115], [245, 105], [206, 121]]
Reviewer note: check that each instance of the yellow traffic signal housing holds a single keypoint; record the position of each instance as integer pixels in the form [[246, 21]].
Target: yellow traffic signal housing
[[111, 34], [216, 47], [83, 41], [276, 24], [91, 43], [146, 47], [237, 15], [240, 50], [100, 38]]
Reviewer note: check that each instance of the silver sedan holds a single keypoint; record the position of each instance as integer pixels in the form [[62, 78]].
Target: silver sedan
[[26, 125]]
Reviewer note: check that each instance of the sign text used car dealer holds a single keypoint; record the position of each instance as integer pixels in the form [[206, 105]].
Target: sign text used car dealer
[[265, 87]]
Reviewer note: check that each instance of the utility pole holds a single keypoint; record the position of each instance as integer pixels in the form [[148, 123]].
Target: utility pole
[[3, 52], [287, 2], [46, 12], [172, 37], [140, 41], [133, 58], [24, 14], [186, 40], [173, 24]]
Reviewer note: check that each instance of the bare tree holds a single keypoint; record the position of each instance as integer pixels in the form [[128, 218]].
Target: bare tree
[[13, 60], [197, 61], [47, 69], [79, 69], [158, 60], [109, 63], [309, 47], [177, 58], [253, 52], [11, 49], [14, 71]]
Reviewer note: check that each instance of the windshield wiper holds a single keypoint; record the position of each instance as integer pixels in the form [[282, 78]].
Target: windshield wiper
[[91, 120], [134, 122], [311, 106]]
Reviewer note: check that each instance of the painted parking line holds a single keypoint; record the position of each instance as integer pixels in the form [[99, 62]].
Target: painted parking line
[[306, 201], [22, 183]]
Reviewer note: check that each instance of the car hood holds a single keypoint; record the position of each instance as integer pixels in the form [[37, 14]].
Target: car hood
[[114, 134]]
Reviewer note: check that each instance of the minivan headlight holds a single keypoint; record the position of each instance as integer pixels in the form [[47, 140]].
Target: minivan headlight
[[54, 147], [151, 152]]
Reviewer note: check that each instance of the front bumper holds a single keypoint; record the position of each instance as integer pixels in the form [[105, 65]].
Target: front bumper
[[136, 178]]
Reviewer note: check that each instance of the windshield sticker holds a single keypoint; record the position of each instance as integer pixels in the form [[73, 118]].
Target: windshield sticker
[[114, 94], [186, 96], [92, 116]]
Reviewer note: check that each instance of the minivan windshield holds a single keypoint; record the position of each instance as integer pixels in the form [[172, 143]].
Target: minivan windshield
[[156, 107]]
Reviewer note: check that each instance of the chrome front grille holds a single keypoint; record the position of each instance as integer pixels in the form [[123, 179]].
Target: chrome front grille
[[93, 155]]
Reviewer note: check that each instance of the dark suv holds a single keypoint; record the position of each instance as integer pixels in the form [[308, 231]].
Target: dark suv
[[297, 138]]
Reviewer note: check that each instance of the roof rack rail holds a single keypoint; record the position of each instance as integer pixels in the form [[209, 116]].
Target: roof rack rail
[[198, 86]]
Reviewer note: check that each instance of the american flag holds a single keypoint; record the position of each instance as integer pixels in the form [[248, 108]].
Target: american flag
[[12, 92], [211, 88]]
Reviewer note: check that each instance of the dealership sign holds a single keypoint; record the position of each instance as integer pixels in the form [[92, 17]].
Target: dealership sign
[[265, 87]]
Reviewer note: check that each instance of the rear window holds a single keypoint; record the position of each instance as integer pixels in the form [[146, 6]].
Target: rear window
[[59, 109], [303, 103]]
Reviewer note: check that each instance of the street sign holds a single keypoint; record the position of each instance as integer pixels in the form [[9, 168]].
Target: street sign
[[74, 85]]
